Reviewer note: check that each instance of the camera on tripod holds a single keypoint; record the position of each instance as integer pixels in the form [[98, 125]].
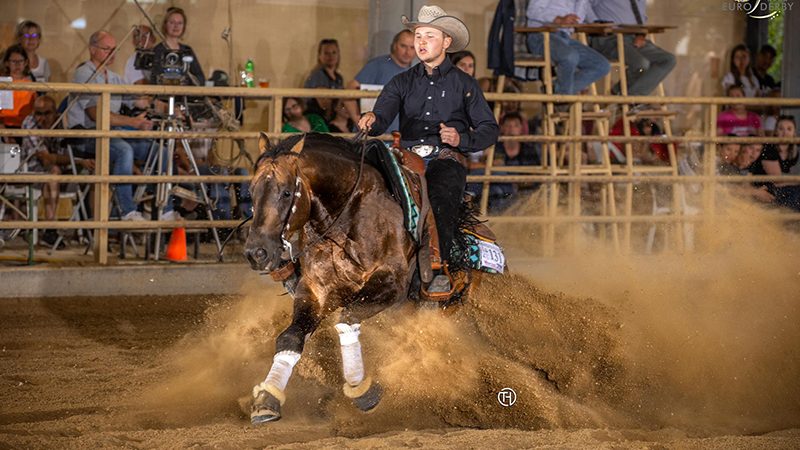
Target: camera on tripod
[[173, 68]]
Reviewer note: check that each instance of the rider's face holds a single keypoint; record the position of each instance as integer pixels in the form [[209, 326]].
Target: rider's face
[[430, 44]]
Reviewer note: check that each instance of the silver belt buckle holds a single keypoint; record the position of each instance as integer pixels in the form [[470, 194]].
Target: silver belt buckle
[[423, 150]]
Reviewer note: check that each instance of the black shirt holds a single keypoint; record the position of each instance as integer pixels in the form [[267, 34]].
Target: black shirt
[[424, 101], [159, 53], [771, 153]]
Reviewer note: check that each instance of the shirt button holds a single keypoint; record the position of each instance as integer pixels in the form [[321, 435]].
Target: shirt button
[[427, 113], [431, 83], [429, 97], [422, 140], [426, 128]]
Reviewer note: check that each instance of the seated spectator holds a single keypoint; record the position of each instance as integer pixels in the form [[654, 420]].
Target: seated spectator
[[143, 39], [737, 120], [726, 158], [764, 60], [15, 65], [45, 155], [741, 73], [380, 70], [29, 36], [653, 153], [647, 64], [577, 66], [342, 121], [325, 75], [174, 27], [296, 120], [83, 114], [779, 159], [465, 61]]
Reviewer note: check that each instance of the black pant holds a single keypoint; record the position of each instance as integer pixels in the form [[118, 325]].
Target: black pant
[[446, 181]]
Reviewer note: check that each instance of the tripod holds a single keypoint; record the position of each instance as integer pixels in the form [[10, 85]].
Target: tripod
[[161, 162]]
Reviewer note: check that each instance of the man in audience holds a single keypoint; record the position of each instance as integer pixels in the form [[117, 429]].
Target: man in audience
[[143, 39], [647, 63], [45, 155], [83, 113], [577, 66], [379, 70], [764, 60]]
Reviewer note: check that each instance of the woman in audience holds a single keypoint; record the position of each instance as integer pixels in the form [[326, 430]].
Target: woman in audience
[[174, 27], [779, 159], [741, 73], [15, 65], [341, 122], [325, 75], [465, 61], [737, 119], [29, 36], [296, 120]]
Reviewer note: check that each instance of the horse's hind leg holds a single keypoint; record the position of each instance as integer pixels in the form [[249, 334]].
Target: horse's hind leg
[[268, 396], [365, 393]]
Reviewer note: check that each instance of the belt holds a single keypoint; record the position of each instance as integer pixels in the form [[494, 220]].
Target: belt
[[425, 151]]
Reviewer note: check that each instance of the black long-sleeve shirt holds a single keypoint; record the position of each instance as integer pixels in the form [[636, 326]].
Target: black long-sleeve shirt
[[424, 101]]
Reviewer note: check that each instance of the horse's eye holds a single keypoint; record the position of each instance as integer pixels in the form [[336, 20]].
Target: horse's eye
[[287, 194]]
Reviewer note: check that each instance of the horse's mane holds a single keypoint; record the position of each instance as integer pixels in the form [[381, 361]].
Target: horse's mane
[[314, 142]]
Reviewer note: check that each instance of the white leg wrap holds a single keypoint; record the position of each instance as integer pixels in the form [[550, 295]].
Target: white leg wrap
[[352, 364], [282, 365]]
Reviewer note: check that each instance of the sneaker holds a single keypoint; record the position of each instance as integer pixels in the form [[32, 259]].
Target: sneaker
[[50, 237], [439, 284], [171, 216], [133, 216]]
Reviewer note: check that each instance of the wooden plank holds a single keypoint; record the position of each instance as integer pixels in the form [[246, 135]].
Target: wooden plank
[[102, 197]]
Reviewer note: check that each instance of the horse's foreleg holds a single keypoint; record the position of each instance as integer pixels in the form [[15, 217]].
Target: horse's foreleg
[[365, 393], [268, 396]]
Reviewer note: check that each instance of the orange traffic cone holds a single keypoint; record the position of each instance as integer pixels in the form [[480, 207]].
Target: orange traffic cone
[[176, 248]]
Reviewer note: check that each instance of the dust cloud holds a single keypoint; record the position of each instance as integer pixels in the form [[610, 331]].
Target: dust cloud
[[706, 342]]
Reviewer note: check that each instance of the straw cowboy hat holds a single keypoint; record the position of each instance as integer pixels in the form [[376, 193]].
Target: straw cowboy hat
[[435, 17]]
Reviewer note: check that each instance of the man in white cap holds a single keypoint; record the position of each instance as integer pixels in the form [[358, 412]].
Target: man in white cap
[[443, 115]]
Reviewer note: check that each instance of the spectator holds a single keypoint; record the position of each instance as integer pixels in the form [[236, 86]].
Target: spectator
[[174, 27], [764, 60], [741, 73], [45, 155], [647, 64], [83, 113], [653, 153], [143, 39], [779, 159], [728, 154], [577, 65], [15, 65], [296, 120], [325, 75], [465, 61], [737, 120], [342, 122], [29, 36], [379, 70]]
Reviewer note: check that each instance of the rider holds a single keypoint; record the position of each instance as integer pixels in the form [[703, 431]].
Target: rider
[[443, 115]]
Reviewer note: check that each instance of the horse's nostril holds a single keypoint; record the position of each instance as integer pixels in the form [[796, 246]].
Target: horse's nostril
[[261, 254]]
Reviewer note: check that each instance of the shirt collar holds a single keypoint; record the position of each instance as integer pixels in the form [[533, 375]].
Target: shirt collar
[[444, 67]]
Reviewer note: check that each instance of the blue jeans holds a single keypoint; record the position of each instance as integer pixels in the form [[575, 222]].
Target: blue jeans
[[647, 65], [577, 66]]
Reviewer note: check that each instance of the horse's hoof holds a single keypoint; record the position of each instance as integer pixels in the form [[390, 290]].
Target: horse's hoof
[[370, 399], [266, 408]]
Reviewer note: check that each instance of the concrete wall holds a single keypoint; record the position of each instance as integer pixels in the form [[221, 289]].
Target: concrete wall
[[281, 36]]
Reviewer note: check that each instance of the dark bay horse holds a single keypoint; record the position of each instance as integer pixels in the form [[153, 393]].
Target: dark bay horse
[[318, 204]]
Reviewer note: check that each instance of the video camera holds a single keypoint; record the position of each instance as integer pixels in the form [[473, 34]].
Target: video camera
[[173, 66]]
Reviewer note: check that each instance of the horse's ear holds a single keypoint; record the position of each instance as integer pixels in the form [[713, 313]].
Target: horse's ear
[[263, 143], [298, 147]]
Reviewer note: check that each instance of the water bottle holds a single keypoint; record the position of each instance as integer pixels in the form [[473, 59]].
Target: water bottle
[[249, 70]]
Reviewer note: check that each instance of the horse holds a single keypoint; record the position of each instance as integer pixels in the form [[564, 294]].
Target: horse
[[318, 209]]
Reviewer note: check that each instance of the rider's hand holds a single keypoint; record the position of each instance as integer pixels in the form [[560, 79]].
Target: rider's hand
[[449, 135], [366, 121]]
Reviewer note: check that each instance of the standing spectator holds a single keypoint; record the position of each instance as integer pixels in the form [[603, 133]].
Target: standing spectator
[[764, 60], [577, 66], [143, 39], [378, 71], [29, 36], [741, 73], [325, 75], [296, 120], [15, 65], [647, 64], [174, 27], [737, 120], [465, 61]]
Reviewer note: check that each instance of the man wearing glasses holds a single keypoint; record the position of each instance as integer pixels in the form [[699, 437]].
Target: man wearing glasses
[[83, 114]]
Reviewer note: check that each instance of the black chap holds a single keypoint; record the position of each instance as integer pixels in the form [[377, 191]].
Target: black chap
[[446, 181]]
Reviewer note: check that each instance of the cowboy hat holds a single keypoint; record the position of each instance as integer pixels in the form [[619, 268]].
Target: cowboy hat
[[435, 17]]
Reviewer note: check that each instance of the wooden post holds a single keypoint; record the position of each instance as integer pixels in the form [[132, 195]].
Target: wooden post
[[102, 167]]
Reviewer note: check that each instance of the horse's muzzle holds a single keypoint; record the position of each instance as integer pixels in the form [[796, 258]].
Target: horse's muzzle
[[258, 258]]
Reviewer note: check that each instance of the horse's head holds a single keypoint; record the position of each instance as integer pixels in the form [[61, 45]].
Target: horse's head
[[281, 205]]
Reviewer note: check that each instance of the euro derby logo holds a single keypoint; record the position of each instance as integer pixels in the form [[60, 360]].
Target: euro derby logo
[[758, 9]]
